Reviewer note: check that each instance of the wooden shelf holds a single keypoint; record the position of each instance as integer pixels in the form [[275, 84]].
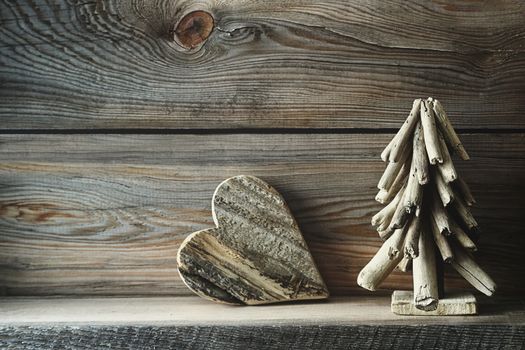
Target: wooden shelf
[[196, 311], [190, 322]]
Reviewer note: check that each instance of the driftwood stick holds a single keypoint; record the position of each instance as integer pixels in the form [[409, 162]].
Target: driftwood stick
[[462, 237], [391, 171], [445, 191], [382, 264], [440, 272], [424, 274], [386, 152], [387, 228], [447, 169], [420, 156], [404, 130], [401, 215], [464, 214], [471, 271], [389, 175], [383, 227], [397, 242], [464, 191], [384, 196], [430, 133], [414, 191], [384, 230], [382, 219], [386, 233], [404, 134], [405, 264], [441, 242], [448, 130], [412, 238], [438, 214]]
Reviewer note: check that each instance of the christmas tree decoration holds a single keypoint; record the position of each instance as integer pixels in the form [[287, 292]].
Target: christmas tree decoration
[[426, 219]]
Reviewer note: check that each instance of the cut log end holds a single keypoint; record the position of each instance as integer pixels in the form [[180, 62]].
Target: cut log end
[[448, 259], [426, 304], [363, 281], [423, 180], [383, 262], [436, 160], [411, 251]]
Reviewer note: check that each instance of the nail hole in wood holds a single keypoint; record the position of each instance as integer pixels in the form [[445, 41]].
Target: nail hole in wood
[[193, 29]]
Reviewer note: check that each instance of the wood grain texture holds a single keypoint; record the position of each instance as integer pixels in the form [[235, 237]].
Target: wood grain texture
[[192, 311], [255, 255], [362, 337], [105, 214], [266, 64], [456, 304]]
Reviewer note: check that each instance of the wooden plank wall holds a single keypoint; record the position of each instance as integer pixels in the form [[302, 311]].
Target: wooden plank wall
[[113, 137]]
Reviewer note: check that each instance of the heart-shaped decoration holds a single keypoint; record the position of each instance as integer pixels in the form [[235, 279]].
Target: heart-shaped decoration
[[255, 255]]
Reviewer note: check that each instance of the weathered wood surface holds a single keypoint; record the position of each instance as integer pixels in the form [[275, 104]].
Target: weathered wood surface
[[192, 311], [188, 323], [453, 304], [255, 255], [105, 214], [275, 337], [427, 201], [285, 64]]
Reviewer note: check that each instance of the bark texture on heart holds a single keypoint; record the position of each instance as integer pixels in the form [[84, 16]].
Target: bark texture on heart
[[255, 255]]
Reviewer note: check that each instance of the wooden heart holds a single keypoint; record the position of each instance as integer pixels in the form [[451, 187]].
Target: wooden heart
[[255, 255]]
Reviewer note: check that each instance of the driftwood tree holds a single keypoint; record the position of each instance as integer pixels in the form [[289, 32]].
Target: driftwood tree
[[426, 212]]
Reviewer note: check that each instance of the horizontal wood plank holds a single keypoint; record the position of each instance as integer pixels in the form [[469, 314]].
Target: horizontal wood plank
[[267, 64], [194, 311], [105, 214], [192, 323], [275, 337]]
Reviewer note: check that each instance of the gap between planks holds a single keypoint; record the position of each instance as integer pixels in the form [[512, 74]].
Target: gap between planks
[[238, 131]]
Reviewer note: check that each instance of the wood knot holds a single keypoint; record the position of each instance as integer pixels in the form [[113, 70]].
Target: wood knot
[[193, 29]]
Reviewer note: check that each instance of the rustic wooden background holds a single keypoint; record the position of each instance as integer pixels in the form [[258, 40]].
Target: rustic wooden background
[[113, 137]]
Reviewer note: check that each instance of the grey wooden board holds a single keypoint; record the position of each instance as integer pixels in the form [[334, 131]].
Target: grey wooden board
[[268, 64], [446, 337], [105, 214]]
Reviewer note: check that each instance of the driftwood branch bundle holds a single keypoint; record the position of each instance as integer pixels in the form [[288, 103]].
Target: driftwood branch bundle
[[427, 208]]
